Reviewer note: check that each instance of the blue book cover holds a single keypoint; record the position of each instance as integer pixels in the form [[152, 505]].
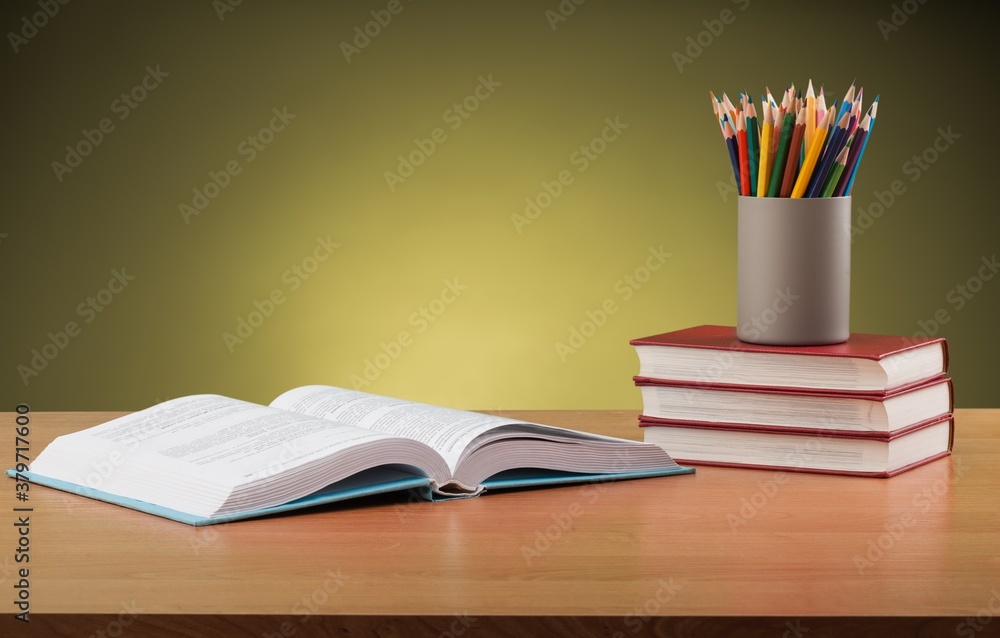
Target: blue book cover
[[374, 481]]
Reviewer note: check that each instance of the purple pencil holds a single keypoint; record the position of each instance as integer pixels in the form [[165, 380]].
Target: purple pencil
[[859, 141]]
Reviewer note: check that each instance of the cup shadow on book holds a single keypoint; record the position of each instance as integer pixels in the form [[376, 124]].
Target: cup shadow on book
[[794, 270]]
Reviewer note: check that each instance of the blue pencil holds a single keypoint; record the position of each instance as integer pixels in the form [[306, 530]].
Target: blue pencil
[[734, 149], [871, 111], [845, 106]]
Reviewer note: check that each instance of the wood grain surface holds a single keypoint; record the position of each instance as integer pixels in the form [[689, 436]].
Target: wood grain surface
[[721, 552]]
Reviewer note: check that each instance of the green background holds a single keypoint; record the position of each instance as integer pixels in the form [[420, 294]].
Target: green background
[[662, 184]]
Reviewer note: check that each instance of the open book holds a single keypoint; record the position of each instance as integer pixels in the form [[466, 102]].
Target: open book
[[207, 459]]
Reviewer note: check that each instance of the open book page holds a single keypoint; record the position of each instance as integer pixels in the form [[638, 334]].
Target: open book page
[[475, 445], [446, 430], [194, 453]]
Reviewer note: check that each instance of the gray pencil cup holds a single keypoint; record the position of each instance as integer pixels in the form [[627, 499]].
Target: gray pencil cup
[[794, 270]]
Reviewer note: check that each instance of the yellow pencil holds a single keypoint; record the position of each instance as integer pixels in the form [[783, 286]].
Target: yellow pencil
[[763, 174], [812, 155]]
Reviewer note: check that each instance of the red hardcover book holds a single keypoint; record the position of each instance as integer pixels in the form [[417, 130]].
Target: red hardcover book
[[819, 410], [869, 454], [865, 364]]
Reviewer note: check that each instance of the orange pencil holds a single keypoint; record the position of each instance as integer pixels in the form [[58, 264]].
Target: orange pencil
[[741, 133], [729, 106], [792, 165]]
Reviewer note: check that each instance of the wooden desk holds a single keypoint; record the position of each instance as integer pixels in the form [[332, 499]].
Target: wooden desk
[[721, 552]]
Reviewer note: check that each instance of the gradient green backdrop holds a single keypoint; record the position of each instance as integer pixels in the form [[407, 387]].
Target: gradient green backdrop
[[663, 184]]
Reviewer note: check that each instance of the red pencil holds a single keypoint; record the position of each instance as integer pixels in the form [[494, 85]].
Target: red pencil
[[741, 132], [792, 165]]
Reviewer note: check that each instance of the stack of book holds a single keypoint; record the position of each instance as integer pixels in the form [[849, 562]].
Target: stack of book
[[876, 405]]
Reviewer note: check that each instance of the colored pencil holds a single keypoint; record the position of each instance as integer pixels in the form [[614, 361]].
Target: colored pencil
[[812, 155], [778, 170], [845, 106], [794, 149], [729, 107], [872, 111], [818, 180], [715, 110], [730, 134], [856, 111], [765, 150], [779, 121], [834, 177], [753, 146], [810, 113], [852, 159], [803, 148], [744, 148], [820, 105]]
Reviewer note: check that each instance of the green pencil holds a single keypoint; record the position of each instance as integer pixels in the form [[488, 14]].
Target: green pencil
[[779, 159], [838, 169]]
